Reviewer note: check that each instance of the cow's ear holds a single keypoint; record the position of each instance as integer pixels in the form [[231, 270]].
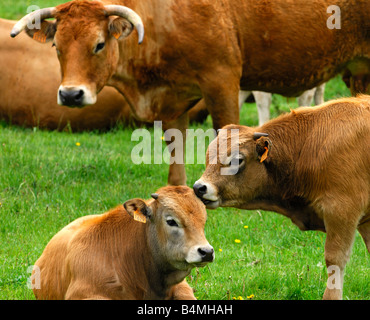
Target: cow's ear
[[138, 210], [263, 148], [45, 33], [120, 28]]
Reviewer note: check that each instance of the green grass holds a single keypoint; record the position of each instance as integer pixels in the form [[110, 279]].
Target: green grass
[[47, 181]]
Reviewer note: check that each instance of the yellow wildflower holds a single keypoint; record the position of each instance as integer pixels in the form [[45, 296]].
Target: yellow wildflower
[[78, 144], [251, 296], [237, 240], [220, 250], [245, 227]]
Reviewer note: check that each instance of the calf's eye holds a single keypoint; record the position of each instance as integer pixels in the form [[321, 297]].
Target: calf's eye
[[172, 223], [99, 47]]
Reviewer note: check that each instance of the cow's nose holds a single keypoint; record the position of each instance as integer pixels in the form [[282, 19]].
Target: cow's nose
[[71, 97], [207, 253], [200, 189]]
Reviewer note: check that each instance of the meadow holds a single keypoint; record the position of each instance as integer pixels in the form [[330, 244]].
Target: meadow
[[48, 179]]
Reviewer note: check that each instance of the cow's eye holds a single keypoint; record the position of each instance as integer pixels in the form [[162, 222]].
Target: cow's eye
[[99, 47], [171, 222], [239, 160]]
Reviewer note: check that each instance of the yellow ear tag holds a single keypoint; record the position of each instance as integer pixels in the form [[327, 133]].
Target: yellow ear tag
[[138, 216], [264, 156], [116, 35]]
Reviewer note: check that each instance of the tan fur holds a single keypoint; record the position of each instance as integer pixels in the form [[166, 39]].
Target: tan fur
[[211, 49], [112, 256], [30, 78], [317, 173], [28, 94]]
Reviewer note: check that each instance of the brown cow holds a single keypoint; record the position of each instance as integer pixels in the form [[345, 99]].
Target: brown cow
[[112, 256], [311, 165], [29, 80], [200, 48], [39, 108]]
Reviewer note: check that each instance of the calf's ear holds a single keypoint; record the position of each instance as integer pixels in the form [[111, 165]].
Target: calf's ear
[[263, 147], [45, 33], [120, 28], [138, 210]]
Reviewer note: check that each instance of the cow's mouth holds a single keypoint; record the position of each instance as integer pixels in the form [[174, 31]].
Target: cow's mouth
[[201, 264], [207, 193], [210, 204]]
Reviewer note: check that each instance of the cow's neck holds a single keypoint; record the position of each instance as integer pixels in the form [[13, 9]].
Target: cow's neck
[[162, 276], [285, 195]]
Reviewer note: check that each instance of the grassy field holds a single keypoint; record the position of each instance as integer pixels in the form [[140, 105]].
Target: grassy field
[[48, 179]]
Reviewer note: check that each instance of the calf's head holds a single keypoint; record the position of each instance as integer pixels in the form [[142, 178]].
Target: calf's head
[[176, 219], [85, 35], [235, 173]]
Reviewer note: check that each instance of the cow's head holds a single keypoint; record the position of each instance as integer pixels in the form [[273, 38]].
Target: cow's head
[[85, 35], [220, 186], [176, 220]]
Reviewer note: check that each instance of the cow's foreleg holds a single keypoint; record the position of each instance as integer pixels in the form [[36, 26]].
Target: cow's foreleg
[[181, 291], [338, 245], [176, 140], [222, 101]]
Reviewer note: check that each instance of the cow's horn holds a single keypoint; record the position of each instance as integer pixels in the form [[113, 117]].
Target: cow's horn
[[154, 196], [258, 135], [130, 15], [30, 18]]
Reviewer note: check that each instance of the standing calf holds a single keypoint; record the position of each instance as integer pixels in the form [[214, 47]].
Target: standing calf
[[112, 256], [311, 165]]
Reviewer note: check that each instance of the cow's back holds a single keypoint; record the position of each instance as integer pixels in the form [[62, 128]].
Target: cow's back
[[55, 277], [94, 256], [287, 46], [324, 150]]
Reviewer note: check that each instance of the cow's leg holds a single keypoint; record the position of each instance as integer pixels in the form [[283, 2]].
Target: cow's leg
[[364, 230], [177, 140], [181, 291], [338, 245], [305, 99], [319, 94], [222, 100], [243, 95], [82, 290], [263, 102]]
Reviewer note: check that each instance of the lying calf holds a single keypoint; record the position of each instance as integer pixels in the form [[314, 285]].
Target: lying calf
[[112, 256]]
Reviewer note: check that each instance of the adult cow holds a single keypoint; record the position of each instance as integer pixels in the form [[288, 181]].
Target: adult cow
[[23, 63], [201, 48], [112, 256], [311, 165], [28, 92]]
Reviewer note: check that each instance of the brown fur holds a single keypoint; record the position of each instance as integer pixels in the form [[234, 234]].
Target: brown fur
[[112, 256], [39, 108], [28, 94], [211, 49], [317, 173]]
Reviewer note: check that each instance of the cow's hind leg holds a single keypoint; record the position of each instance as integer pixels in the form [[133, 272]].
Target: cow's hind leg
[[338, 245], [364, 229]]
